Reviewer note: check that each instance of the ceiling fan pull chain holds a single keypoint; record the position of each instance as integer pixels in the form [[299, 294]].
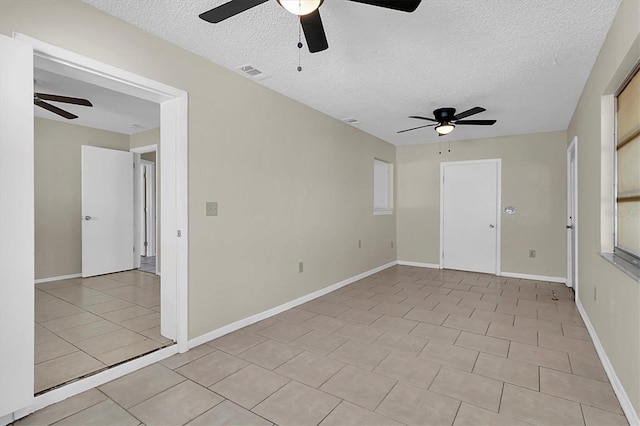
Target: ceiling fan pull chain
[[299, 43]]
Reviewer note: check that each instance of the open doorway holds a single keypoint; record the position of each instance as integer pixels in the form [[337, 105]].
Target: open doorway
[[148, 234], [572, 216], [147, 210], [117, 289], [17, 272], [146, 194], [105, 313]]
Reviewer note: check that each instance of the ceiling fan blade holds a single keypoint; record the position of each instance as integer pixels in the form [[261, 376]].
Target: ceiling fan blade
[[423, 118], [229, 9], [55, 110], [402, 5], [467, 113], [65, 99], [314, 32], [477, 122], [416, 128]]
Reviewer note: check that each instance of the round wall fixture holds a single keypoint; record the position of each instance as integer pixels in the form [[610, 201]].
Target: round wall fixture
[[509, 210]]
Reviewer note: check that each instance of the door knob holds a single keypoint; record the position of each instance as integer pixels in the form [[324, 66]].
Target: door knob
[[86, 218], [491, 226]]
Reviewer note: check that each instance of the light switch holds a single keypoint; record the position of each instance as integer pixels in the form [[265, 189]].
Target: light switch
[[212, 208]]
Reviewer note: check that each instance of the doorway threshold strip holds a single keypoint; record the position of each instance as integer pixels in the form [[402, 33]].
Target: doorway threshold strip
[[93, 373]]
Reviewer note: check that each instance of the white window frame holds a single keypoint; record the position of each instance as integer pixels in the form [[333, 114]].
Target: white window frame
[[632, 258], [382, 187]]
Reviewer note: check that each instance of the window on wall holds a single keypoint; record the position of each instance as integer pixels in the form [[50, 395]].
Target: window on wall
[[382, 187], [627, 182]]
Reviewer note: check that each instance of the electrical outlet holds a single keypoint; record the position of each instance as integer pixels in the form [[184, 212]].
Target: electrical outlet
[[212, 208], [301, 267], [595, 293], [532, 253], [359, 243], [391, 244]]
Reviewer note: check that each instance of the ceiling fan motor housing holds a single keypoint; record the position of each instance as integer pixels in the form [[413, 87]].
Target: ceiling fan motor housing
[[444, 114]]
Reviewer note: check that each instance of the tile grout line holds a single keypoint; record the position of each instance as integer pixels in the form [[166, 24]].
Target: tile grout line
[[125, 409], [386, 395], [85, 311], [79, 411], [519, 302]]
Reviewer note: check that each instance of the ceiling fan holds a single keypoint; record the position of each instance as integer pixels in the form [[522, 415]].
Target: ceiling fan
[[308, 12], [40, 98], [446, 120]]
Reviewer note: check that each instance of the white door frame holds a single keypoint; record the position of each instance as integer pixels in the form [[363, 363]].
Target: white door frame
[[174, 140], [572, 217], [149, 183], [137, 193], [498, 163], [16, 229]]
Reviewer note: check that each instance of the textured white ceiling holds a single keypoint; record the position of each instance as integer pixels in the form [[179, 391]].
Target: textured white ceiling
[[526, 62]]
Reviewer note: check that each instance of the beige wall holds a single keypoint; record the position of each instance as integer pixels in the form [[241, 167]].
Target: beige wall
[[615, 314], [533, 180], [148, 137], [58, 229], [293, 184], [149, 156]]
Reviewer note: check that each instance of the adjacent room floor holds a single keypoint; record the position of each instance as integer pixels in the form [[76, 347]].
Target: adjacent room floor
[[404, 346], [148, 264], [86, 325]]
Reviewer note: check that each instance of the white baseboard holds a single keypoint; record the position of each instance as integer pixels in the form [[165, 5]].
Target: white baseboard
[[503, 274], [61, 277], [6, 419], [623, 398], [67, 391], [419, 264], [561, 280], [230, 328]]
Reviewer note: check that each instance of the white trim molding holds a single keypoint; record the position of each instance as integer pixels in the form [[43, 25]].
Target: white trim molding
[[561, 280], [503, 274], [61, 277], [230, 328], [572, 216], [419, 264], [145, 149], [623, 398]]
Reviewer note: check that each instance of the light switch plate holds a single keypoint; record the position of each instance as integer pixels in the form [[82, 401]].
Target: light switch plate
[[212, 208]]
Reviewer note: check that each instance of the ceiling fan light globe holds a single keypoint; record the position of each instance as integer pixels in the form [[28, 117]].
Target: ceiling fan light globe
[[445, 128], [300, 7]]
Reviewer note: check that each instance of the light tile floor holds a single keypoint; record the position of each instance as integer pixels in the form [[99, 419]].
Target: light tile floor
[[83, 326], [404, 346]]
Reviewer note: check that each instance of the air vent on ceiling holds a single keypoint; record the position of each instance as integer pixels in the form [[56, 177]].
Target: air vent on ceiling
[[252, 72], [350, 120]]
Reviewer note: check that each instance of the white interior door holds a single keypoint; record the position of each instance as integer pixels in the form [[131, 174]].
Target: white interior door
[[469, 216], [16, 226], [107, 211]]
